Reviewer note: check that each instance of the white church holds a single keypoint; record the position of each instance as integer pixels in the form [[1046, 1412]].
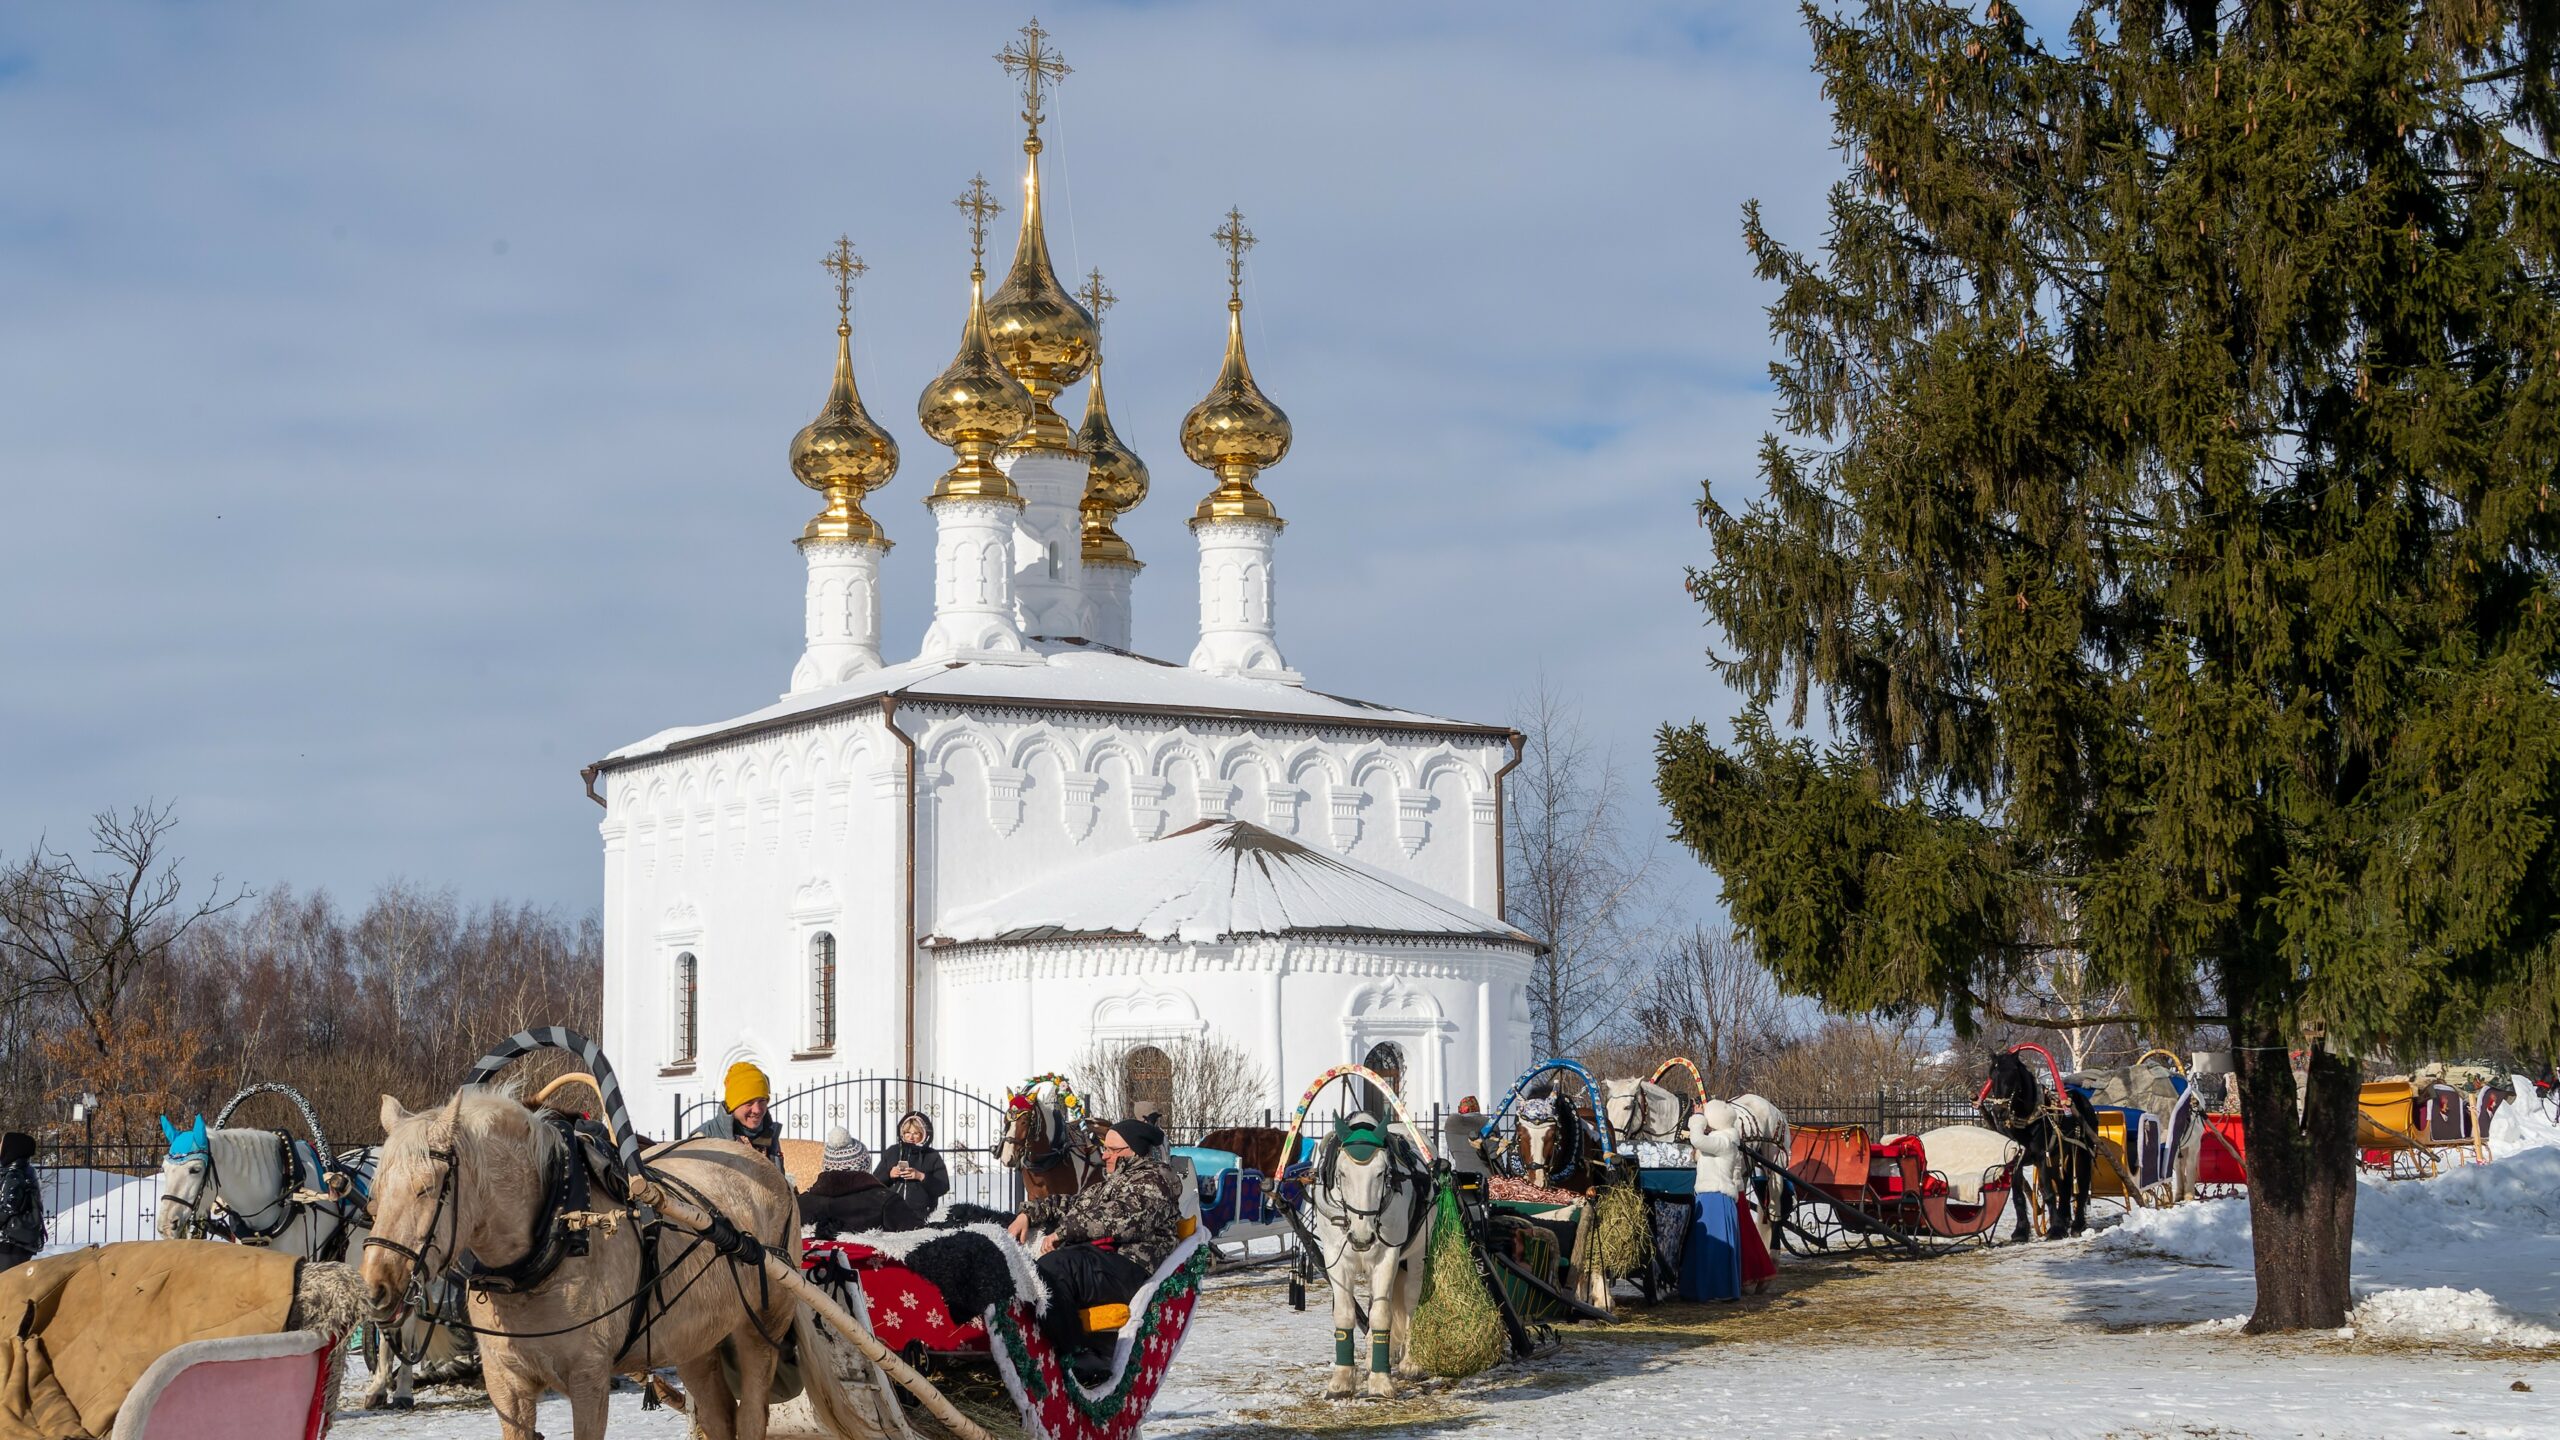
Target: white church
[[978, 862]]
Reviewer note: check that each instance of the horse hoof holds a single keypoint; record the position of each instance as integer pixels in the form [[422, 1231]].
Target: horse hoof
[[1343, 1385], [1380, 1387], [405, 1402]]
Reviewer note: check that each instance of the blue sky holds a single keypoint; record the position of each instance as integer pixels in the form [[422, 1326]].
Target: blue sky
[[394, 400]]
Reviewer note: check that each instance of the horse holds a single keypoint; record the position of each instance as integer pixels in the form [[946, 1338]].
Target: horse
[[1641, 1111], [252, 1186], [472, 1184], [2058, 1135], [1055, 1151], [1371, 1207], [1763, 1136], [1554, 1145]]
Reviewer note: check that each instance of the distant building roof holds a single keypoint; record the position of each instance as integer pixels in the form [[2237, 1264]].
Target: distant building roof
[[1066, 673], [1217, 880]]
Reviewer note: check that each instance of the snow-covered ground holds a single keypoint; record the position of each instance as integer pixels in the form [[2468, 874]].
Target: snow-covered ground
[[2131, 1333]]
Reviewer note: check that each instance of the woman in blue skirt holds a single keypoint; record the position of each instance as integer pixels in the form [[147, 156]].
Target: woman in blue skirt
[[1711, 1265]]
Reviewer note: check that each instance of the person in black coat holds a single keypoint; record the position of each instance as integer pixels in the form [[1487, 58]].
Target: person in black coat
[[846, 1198], [912, 1169], [21, 1201]]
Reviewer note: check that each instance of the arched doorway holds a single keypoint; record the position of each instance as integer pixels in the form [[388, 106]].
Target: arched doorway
[[1146, 1078], [1386, 1058]]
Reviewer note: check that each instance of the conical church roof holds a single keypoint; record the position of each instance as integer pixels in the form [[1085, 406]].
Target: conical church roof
[[1218, 880]]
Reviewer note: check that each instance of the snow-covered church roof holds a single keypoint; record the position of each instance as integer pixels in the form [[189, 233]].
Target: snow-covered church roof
[[1216, 880], [1072, 673]]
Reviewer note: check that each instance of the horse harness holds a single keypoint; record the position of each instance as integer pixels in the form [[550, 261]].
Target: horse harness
[[584, 1161], [345, 1207]]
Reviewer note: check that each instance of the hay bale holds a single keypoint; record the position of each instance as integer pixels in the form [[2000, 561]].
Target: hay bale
[[1458, 1330], [1621, 1232]]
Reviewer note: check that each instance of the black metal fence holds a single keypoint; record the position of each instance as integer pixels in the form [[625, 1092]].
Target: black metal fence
[[967, 1125], [99, 1193], [1883, 1111]]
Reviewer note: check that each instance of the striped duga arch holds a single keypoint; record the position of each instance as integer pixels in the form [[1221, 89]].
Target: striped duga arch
[[617, 1115]]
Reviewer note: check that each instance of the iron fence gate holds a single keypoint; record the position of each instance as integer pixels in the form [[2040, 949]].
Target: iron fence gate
[[967, 1126]]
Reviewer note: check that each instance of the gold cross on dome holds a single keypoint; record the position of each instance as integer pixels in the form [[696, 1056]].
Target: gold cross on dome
[[844, 265], [1096, 296], [978, 206], [1237, 240], [1037, 65]]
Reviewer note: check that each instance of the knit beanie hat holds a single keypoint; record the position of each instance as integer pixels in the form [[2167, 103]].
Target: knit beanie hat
[[843, 1152], [744, 1083]]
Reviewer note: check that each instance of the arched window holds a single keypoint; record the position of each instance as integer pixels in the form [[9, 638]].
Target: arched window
[[1387, 1059], [822, 991], [1146, 1078], [688, 1027]]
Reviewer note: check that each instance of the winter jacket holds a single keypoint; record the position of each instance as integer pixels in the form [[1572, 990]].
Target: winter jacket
[[914, 1200], [845, 1202], [1137, 1207], [21, 1207], [766, 1139]]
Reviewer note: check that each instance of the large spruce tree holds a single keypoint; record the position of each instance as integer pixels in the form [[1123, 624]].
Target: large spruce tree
[[2165, 523]]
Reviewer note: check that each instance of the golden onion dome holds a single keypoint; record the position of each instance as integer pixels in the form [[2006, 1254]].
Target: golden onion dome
[[1236, 432], [1045, 339], [843, 455], [974, 407], [1115, 480]]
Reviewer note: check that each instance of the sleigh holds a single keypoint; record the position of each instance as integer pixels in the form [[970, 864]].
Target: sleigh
[[1054, 1404], [1886, 1194], [246, 1387], [2405, 1129]]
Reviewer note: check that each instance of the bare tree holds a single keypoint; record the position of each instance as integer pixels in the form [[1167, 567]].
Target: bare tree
[[1204, 1082], [1712, 1000], [1570, 879]]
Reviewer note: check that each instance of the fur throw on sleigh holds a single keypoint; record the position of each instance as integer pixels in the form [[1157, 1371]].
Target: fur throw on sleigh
[[964, 1252]]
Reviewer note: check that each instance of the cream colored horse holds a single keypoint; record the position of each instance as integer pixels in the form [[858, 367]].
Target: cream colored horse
[[468, 1176]]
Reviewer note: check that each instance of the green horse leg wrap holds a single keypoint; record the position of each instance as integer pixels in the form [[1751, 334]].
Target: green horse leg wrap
[[1342, 1347], [1378, 1348]]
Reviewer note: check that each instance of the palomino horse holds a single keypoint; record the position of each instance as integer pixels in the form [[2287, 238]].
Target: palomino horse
[[1055, 1151], [469, 1184], [240, 1182], [1370, 1203], [2059, 1134]]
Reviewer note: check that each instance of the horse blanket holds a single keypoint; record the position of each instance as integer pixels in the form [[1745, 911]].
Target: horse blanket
[[83, 1326]]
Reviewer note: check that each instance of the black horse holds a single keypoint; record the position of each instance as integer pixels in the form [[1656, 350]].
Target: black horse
[[2060, 1141]]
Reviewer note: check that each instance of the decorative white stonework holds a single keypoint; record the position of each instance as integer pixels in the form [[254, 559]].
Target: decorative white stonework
[[1237, 628], [1146, 807], [1217, 800], [973, 616], [1413, 818], [842, 626], [1344, 802], [1078, 787], [1281, 803], [1048, 544], [1004, 798], [1107, 587], [1148, 1013]]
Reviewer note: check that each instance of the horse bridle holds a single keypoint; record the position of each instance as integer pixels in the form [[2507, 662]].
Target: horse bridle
[[1059, 1135], [447, 1190], [232, 1223]]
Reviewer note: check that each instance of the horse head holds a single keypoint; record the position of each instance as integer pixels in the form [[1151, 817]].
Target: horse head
[[1641, 1110], [2011, 1097], [1548, 1135], [1360, 1178], [186, 1175], [463, 1178]]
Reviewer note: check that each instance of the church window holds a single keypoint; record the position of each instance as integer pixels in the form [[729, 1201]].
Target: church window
[[822, 991], [688, 1029], [1146, 1077], [1386, 1058], [1057, 564]]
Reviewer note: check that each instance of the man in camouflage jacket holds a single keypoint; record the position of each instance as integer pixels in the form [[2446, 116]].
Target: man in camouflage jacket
[[1102, 1243]]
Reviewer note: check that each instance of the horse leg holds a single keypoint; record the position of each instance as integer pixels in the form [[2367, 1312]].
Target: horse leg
[[515, 1398], [588, 1406], [1383, 1284], [707, 1391], [2088, 1171], [757, 1361], [1408, 1292], [2020, 1185], [1344, 1380]]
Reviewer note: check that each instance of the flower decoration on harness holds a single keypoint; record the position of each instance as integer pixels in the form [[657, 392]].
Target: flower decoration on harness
[[1538, 1111]]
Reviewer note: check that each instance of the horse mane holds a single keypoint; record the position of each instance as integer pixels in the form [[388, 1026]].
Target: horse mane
[[508, 1151]]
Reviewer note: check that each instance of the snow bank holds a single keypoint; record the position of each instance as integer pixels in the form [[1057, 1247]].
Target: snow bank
[[2469, 1255]]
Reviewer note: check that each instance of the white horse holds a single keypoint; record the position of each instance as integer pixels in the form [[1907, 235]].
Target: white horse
[[236, 1180], [1370, 1210], [1642, 1111]]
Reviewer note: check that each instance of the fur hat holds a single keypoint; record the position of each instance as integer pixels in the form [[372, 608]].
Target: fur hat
[[1139, 1135], [744, 1083], [843, 1152], [15, 1146]]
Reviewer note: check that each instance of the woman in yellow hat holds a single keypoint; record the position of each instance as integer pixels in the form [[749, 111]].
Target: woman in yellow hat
[[748, 1118]]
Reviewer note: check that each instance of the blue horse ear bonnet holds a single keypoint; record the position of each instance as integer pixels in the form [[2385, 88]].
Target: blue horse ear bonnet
[[182, 1143]]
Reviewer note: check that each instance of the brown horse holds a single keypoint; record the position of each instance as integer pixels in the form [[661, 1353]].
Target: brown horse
[[469, 1177], [1057, 1153]]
